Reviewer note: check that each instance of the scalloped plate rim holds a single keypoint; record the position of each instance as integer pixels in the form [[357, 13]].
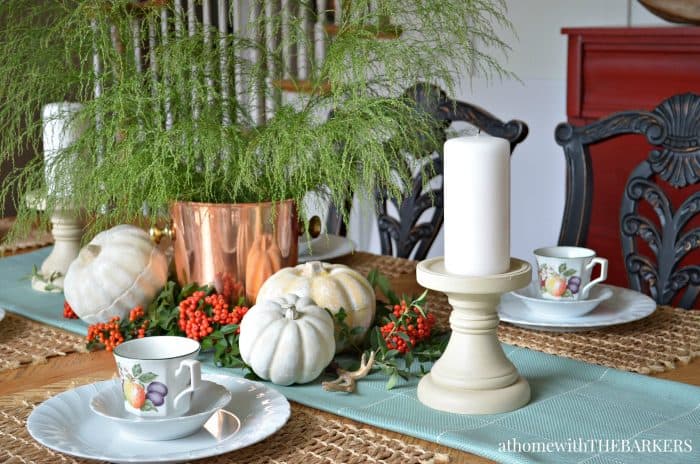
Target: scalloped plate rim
[[645, 306], [206, 449]]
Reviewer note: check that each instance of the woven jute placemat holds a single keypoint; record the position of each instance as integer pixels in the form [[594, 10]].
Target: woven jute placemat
[[36, 238], [308, 438], [23, 341], [660, 342], [388, 265]]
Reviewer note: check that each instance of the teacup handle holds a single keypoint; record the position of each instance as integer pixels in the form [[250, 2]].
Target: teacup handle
[[603, 274], [195, 379]]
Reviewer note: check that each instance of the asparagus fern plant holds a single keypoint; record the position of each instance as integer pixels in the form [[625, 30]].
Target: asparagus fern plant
[[159, 132]]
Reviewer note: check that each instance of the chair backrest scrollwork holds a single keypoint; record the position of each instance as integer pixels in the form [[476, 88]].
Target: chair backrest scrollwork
[[673, 130], [405, 236]]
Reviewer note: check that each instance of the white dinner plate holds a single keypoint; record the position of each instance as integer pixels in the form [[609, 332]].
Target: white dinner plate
[[623, 306], [2, 314], [324, 247], [66, 424]]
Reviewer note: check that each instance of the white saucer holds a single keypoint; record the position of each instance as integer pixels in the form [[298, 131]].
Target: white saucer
[[324, 247], [66, 424], [109, 403], [625, 305], [561, 309]]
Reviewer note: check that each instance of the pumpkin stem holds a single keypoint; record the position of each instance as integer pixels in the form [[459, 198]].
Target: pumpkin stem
[[313, 268], [90, 252], [290, 311]]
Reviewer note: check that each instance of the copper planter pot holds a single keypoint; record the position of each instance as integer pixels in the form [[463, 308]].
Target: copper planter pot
[[234, 246]]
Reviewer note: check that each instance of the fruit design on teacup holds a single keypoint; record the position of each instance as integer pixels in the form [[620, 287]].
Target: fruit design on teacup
[[141, 390], [561, 282]]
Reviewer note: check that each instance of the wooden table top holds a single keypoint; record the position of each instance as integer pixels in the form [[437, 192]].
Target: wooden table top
[[101, 365]]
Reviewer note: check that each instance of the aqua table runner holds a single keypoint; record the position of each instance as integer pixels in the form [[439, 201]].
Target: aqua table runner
[[579, 412]]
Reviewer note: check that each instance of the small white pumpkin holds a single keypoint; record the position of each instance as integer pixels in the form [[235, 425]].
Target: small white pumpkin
[[331, 286], [287, 340], [119, 269]]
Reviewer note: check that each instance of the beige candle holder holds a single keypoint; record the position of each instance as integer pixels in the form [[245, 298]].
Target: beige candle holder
[[473, 376], [67, 232]]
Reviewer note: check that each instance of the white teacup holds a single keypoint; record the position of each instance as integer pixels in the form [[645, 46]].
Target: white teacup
[[159, 375], [564, 272]]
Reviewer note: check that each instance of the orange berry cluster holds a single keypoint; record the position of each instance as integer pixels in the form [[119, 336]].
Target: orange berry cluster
[[199, 313], [136, 314], [237, 316], [193, 320], [221, 313], [410, 322], [231, 289], [68, 311], [113, 333], [106, 333]]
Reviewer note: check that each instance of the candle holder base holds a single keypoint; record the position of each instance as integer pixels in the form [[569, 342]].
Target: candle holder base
[[473, 376], [67, 231], [466, 401]]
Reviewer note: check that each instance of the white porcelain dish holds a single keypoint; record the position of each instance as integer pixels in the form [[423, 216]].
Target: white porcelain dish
[[623, 306], [66, 424], [2, 314], [109, 403], [561, 309], [324, 247]]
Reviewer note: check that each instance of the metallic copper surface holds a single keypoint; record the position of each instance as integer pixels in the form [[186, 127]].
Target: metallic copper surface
[[234, 246]]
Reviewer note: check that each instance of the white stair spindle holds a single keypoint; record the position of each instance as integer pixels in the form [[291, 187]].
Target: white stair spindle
[[222, 17], [136, 38], [97, 90], [179, 14], [96, 62], [338, 16], [259, 63], [237, 54], [320, 32], [287, 59], [153, 62], [306, 41], [271, 44], [166, 80], [206, 25], [192, 30], [178, 19]]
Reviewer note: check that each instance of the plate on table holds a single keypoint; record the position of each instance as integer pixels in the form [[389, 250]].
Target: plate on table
[[65, 423], [2, 314], [623, 306], [324, 247]]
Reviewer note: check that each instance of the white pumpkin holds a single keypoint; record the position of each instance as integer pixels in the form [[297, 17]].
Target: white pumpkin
[[331, 286], [119, 269], [287, 340]]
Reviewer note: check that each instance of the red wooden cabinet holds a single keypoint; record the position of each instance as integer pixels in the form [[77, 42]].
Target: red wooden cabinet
[[618, 69]]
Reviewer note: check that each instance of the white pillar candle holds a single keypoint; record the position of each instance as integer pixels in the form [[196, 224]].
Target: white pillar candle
[[60, 131], [477, 205]]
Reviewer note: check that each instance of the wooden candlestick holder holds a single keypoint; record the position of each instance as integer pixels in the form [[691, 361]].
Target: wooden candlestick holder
[[473, 375]]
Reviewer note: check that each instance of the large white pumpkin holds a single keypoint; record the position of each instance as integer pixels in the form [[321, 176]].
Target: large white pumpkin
[[287, 340], [119, 269], [331, 286]]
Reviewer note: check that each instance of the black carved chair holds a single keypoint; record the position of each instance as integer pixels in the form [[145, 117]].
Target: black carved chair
[[401, 236], [662, 265]]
